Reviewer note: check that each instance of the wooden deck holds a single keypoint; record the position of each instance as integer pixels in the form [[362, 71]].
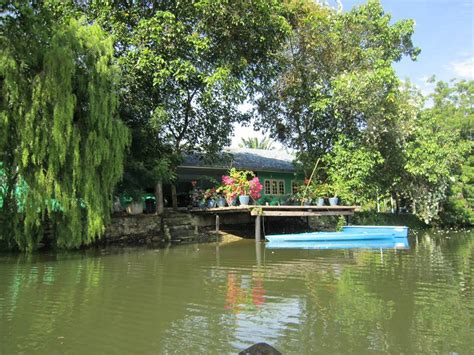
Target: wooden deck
[[277, 211], [282, 211]]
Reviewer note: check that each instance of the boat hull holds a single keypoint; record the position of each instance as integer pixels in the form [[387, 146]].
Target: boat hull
[[398, 231], [349, 233], [394, 243]]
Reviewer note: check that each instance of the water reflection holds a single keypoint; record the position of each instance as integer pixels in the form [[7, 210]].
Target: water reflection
[[223, 298], [395, 243], [244, 292]]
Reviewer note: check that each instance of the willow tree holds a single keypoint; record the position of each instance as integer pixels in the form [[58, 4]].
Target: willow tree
[[60, 136]]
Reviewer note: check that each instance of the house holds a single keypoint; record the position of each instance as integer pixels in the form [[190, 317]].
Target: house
[[274, 168]]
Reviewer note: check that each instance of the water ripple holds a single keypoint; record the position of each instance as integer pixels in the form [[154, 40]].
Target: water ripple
[[211, 299]]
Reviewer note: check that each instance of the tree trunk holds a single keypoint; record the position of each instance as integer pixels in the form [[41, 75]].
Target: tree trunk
[[397, 201], [174, 197], [392, 203], [160, 206], [378, 201]]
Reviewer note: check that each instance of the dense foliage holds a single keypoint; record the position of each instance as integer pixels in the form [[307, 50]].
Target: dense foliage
[[61, 144], [336, 100], [335, 76], [187, 66]]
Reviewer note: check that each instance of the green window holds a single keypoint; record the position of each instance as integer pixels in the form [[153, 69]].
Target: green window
[[274, 187], [294, 187]]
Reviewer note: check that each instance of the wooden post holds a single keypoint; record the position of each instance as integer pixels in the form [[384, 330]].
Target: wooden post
[[174, 197], [258, 229], [348, 220], [160, 206], [217, 223], [258, 253]]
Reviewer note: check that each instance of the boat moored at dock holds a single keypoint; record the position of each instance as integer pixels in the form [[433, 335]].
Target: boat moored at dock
[[348, 233], [394, 243]]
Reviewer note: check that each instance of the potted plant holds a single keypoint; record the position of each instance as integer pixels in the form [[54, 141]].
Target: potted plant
[[197, 197], [333, 190], [229, 190], [320, 193], [304, 194], [220, 200], [221, 196], [255, 188], [210, 196], [237, 184]]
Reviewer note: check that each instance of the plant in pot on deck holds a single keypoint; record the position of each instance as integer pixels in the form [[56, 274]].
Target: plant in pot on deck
[[336, 190], [255, 188], [303, 195], [319, 192], [197, 197], [211, 196], [220, 197], [237, 184], [228, 189]]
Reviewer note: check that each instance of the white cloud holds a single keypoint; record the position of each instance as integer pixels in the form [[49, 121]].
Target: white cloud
[[463, 69]]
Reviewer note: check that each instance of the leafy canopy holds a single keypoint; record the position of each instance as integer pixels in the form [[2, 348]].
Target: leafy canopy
[[187, 66], [335, 76], [60, 135]]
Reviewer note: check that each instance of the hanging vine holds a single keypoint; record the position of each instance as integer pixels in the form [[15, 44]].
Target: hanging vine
[[60, 135]]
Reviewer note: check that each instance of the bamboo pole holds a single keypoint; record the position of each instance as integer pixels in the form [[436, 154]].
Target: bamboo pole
[[309, 181]]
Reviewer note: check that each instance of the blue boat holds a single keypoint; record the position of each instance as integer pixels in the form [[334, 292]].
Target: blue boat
[[394, 243], [348, 233], [397, 231]]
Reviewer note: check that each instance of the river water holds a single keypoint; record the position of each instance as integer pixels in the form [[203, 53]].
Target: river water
[[218, 299]]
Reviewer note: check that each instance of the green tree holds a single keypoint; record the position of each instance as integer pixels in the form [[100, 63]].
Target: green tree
[[433, 156], [255, 143], [424, 148], [186, 68], [335, 76], [453, 110], [350, 170], [58, 124]]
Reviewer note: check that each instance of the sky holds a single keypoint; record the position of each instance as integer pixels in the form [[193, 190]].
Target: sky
[[444, 30]]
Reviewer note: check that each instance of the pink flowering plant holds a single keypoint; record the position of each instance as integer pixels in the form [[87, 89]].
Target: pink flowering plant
[[237, 183]]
